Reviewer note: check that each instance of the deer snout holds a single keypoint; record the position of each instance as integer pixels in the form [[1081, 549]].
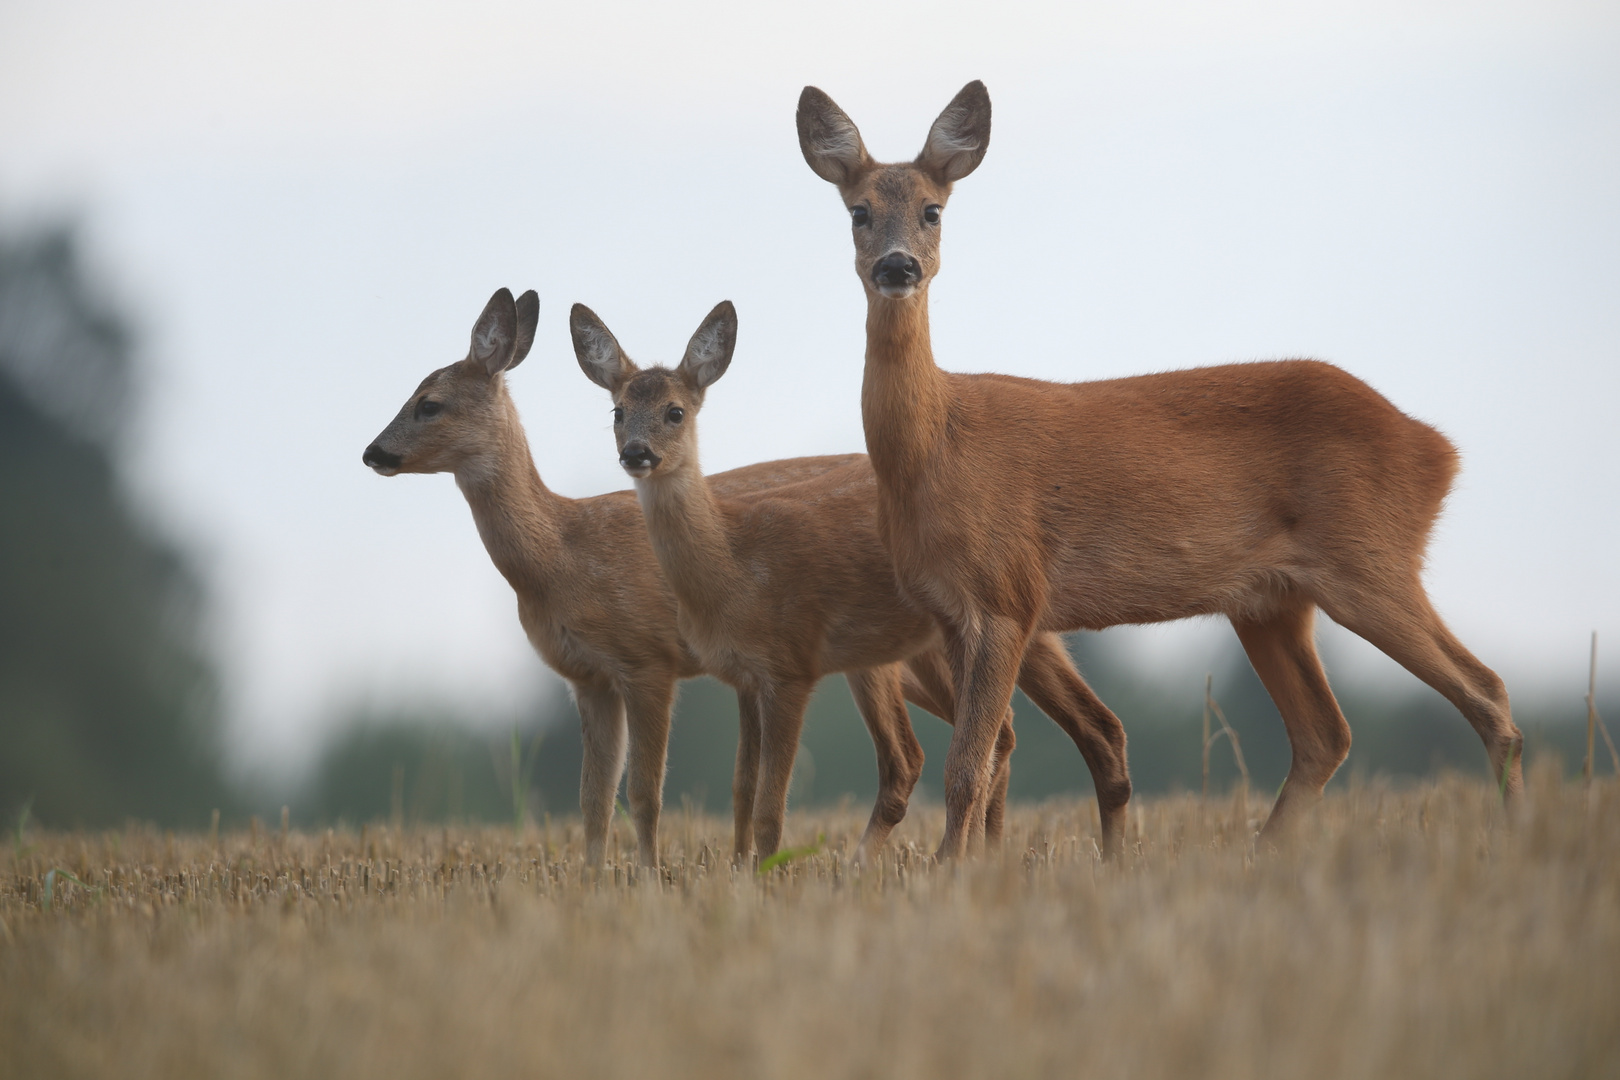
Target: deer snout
[[896, 273], [381, 460], [638, 459]]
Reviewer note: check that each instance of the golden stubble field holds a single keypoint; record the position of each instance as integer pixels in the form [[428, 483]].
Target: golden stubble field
[[1414, 932]]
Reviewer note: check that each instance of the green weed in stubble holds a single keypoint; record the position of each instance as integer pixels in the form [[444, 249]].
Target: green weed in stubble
[[522, 768], [18, 847], [787, 855], [50, 886], [1507, 767]]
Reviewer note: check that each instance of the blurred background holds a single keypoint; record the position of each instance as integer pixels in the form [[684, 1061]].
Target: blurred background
[[234, 237]]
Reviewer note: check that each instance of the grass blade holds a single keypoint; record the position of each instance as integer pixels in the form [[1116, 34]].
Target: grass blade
[[787, 855]]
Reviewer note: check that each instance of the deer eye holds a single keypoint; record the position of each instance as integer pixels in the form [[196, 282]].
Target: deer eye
[[426, 410], [618, 414], [860, 215], [675, 414], [931, 214]]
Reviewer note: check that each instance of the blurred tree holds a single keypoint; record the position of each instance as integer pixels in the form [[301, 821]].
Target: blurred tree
[[107, 701], [430, 763]]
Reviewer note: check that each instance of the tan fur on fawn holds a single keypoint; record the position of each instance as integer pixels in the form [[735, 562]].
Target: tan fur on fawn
[[783, 587], [590, 596], [1012, 506]]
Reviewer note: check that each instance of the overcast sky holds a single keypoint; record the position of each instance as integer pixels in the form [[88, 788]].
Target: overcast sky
[[308, 204]]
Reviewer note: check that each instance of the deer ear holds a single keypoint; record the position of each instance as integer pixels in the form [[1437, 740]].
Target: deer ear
[[708, 354], [959, 138], [597, 350], [829, 139], [528, 318], [495, 333]]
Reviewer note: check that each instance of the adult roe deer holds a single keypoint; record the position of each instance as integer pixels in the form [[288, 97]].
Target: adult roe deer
[[1258, 491], [785, 586], [590, 597]]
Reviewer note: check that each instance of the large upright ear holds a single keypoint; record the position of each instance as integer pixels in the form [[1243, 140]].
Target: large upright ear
[[597, 350], [830, 141], [528, 318], [495, 333], [708, 354], [959, 138]]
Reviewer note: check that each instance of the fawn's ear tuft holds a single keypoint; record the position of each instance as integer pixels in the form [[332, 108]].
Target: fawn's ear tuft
[[597, 350], [829, 140], [960, 136], [495, 333]]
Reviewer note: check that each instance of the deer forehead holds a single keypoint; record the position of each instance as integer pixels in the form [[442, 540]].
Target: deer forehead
[[440, 380], [895, 186], [653, 389]]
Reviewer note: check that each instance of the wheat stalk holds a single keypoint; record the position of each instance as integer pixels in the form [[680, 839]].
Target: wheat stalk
[[1210, 705]]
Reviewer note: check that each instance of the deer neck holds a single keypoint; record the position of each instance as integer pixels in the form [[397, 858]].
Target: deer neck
[[903, 394], [516, 514], [692, 540]]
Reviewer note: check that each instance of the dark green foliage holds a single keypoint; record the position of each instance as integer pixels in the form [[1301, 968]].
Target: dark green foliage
[[107, 704], [423, 768], [431, 765]]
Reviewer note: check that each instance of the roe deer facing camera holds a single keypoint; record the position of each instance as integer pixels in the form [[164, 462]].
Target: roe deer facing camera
[[1013, 506], [783, 587]]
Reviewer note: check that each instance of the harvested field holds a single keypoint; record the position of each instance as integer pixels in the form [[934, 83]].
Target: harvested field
[[1411, 932]]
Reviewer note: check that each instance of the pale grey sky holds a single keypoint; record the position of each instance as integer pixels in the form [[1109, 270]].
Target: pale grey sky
[[310, 202]]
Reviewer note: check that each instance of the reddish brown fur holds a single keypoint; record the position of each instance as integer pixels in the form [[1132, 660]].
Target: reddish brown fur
[[781, 588], [1012, 506]]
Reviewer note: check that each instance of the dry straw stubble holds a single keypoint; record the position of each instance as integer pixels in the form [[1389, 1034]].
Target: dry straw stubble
[[1407, 933]]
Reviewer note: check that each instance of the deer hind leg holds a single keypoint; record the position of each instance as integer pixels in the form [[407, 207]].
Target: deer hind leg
[[648, 710], [1402, 623], [781, 712], [1050, 680], [927, 682], [878, 695], [602, 733], [745, 777], [986, 664], [1282, 649]]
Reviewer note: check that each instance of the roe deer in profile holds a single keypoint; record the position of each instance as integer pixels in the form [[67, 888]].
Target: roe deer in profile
[[1012, 506], [590, 596], [786, 586]]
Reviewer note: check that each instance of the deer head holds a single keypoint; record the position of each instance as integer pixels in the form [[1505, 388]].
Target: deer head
[[654, 410], [895, 210], [449, 423]]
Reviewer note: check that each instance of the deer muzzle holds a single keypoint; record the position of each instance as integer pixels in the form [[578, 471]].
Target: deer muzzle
[[381, 460], [638, 459], [896, 274]]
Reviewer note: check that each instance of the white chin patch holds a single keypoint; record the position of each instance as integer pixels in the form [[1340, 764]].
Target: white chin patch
[[897, 292], [383, 470], [639, 472]]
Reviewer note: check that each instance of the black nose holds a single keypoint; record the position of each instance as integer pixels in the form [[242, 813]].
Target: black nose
[[376, 457], [638, 455], [896, 268]]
